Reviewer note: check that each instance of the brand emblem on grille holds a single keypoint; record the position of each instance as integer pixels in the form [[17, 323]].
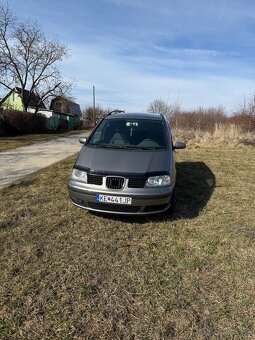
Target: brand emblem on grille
[[114, 182]]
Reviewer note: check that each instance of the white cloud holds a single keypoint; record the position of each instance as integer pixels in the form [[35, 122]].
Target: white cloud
[[138, 50], [120, 84]]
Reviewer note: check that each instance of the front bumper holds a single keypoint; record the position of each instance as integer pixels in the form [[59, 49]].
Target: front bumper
[[145, 201]]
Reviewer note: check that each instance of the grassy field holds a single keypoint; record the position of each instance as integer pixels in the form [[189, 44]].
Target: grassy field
[[70, 274], [8, 143]]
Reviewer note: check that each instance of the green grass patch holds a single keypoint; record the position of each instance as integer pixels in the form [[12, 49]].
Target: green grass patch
[[8, 143], [67, 273]]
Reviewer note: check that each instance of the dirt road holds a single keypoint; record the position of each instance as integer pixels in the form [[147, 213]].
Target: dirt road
[[18, 163]]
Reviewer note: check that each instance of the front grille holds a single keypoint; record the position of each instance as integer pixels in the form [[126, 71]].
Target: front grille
[[136, 183], [114, 207], [95, 179], [114, 182]]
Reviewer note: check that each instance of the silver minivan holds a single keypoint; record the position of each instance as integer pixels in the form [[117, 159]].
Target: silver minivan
[[126, 166]]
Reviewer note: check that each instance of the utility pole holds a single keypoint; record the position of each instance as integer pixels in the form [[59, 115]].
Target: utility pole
[[94, 95], [94, 104]]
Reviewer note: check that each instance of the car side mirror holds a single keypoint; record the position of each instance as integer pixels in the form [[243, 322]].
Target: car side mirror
[[179, 145], [83, 140]]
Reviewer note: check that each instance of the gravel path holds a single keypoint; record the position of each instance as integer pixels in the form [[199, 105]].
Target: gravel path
[[18, 163]]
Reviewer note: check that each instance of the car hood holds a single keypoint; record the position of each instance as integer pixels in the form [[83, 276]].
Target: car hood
[[124, 161]]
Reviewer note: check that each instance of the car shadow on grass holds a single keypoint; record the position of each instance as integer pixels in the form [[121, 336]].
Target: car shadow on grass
[[195, 184], [194, 187]]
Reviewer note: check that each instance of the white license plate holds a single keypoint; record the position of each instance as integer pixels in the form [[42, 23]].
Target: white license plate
[[113, 199]]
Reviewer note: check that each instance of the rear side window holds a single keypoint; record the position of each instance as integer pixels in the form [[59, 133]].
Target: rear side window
[[133, 133]]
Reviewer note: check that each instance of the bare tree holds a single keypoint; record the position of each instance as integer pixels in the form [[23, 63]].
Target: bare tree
[[247, 107], [87, 112], [29, 60], [161, 106]]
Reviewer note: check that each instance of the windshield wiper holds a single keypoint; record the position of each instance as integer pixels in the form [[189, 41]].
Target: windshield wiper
[[154, 148], [109, 146], [127, 147], [142, 147], [131, 147]]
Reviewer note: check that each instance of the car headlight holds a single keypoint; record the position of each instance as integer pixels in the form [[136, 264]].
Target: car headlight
[[158, 181], [79, 175]]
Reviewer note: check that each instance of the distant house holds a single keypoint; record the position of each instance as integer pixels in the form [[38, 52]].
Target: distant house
[[68, 111], [64, 105], [63, 114], [14, 101]]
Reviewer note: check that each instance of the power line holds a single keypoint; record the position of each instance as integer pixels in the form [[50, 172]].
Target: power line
[[79, 80]]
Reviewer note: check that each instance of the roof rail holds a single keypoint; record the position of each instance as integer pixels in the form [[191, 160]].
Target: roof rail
[[115, 111]]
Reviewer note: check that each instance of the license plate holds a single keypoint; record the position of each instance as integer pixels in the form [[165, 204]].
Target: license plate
[[113, 199]]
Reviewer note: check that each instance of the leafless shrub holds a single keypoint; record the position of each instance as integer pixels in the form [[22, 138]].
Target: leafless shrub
[[161, 106], [88, 112], [19, 122], [244, 115], [245, 121], [247, 107], [213, 125], [200, 119]]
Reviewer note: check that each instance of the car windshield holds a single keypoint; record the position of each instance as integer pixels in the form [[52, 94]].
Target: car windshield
[[129, 133]]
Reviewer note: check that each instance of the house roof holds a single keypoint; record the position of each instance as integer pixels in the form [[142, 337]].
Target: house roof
[[34, 100], [3, 99], [74, 108]]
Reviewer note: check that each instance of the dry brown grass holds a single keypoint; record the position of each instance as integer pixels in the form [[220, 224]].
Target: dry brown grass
[[214, 126], [230, 134], [70, 274]]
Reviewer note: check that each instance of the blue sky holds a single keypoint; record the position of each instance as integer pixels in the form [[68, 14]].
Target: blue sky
[[199, 52]]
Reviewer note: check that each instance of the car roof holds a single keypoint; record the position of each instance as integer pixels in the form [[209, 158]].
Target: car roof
[[135, 115]]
